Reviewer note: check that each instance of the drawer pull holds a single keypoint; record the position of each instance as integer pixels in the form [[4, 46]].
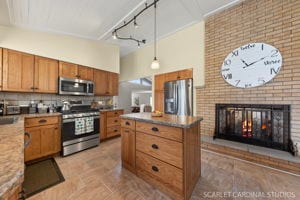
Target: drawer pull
[[127, 123], [42, 121], [154, 168], [116, 113], [116, 130], [155, 129], [154, 146], [116, 120]]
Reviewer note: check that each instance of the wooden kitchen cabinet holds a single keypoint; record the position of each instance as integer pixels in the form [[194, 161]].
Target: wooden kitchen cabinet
[[159, 82], [159, 100], [101, 82], [45, 75], [45, 137], [85, 73], [110, 124], [128, 148], [68, 70], [185, 74], [18, 71], [113, 84], [172, 76]]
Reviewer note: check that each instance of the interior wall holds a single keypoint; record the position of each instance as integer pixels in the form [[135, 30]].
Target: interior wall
[[181, 50], [273, 22], [91, 53]]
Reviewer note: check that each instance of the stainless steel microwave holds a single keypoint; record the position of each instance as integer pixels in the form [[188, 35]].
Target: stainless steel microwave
[[69, 86]]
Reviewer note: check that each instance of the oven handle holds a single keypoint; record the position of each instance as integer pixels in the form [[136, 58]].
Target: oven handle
[[73, 119]]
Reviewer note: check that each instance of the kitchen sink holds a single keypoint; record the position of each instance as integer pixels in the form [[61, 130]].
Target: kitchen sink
[[8, 120]]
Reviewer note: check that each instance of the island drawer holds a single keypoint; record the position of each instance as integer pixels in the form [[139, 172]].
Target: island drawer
[[159, 172], [40, 121], [113, 131], [113, 121], [173, 133], [127, 123], [163, 149], [115, 113]]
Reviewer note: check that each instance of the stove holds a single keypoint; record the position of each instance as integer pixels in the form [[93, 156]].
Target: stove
[[80, 129]]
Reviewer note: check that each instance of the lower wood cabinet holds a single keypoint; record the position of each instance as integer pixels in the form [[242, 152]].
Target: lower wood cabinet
[[45, 139], [110, 124], [128, 148]]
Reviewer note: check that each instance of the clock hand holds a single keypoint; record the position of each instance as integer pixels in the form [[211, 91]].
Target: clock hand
[[244, 63], [255, 62]]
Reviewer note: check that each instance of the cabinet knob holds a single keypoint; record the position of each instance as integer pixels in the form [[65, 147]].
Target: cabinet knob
[[32, 88], [154, 168], [154, 146], [155, 129], [42, 121], [127, 123], [116, 130], [116, 120]]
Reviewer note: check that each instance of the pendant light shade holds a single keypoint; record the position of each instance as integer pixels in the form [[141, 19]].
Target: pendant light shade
[[155, 63]]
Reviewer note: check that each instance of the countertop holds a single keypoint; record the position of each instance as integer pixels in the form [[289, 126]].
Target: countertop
[[110, 109], [168, 120], [12, 152]]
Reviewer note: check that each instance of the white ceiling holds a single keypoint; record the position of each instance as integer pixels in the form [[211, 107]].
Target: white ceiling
[[96, 19]]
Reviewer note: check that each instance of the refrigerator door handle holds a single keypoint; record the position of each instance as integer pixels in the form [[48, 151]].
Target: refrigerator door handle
[[176, 98]]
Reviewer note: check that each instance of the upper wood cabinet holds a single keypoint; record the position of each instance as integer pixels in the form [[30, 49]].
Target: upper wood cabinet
[[0, 69], [179, 75], [18, 71], [159, 81], [85, 73], [106, 83], [46, 75], [101, 82], [113, 84], [70, 70]]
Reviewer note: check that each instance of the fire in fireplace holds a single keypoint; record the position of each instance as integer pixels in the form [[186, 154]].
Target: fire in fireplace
[[262, 125]]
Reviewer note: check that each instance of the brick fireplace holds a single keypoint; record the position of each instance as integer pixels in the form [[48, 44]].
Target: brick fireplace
[[273, 22]]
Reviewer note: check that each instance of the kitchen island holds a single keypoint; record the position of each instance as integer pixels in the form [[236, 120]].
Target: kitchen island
[[164, 151]]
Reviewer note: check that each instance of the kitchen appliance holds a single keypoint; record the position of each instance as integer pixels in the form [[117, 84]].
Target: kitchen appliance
[[68, 86], [179, 97], [80, 129], [66, 106], [1, 108], [12, 110]]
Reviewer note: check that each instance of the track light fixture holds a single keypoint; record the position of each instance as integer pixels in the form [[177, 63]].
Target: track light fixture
[[135, 24]]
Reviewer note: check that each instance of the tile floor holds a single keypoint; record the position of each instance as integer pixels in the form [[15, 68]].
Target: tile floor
[[97, 174]]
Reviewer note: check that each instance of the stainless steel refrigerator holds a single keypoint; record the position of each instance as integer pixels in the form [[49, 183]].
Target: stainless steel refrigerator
[[179, 97]]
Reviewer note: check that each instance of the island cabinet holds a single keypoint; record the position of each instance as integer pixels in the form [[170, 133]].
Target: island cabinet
[[166, 151]]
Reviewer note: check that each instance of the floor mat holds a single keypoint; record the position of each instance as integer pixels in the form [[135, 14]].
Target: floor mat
[[40, 176]]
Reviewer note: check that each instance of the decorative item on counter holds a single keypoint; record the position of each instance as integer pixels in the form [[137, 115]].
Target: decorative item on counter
[[42, 108], [157, 113]]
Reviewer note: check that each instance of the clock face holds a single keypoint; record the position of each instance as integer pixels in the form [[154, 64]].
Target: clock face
[[251, 65]]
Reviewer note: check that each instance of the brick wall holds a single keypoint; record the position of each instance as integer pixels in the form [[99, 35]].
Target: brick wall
[[275, 22]]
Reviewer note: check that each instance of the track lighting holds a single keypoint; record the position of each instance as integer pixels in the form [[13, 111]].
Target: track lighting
[[135, 24]]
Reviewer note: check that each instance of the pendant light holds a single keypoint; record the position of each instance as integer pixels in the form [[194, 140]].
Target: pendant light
[[155, 62]]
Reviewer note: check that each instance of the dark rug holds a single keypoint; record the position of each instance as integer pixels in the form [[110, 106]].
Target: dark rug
[[40, 176]]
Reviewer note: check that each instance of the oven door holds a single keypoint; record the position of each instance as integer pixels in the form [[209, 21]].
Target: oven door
[[69, 86], [69, 130]]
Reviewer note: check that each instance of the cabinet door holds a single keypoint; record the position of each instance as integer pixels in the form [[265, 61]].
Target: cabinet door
[[68, 70], [85, 73], [49, 139], [185, 74], [159, 81], [0, 69], [33, 151], [172, 76], [159, 101], [18, 71], [46, 75], [128, 148], [113, 84], [103, 126], [101, 82]]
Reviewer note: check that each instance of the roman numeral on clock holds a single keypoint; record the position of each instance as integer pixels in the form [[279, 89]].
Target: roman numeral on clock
[[274, 71], [227, 76]]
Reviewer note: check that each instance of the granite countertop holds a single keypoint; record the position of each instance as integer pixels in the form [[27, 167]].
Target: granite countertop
[[110, 109], [168, 120], [12, 152]]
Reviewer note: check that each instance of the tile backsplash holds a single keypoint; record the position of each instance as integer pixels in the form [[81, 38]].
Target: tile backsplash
[[26, 98]]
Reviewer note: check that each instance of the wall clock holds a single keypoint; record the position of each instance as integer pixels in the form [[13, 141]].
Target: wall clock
[[251, 65]]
